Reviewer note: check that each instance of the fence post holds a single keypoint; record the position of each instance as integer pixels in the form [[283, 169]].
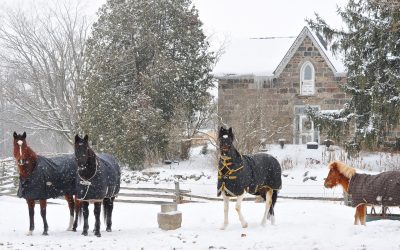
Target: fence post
[[2, 165], [178, 197]]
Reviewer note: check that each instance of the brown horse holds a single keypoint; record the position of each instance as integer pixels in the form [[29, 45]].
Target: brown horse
[[27, 163], [364, 190], [340, 174]]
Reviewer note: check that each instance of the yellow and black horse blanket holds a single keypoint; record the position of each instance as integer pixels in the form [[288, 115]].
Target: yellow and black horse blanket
[[248, 173]]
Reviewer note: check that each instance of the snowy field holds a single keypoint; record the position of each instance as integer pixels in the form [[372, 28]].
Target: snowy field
[[299, 224]]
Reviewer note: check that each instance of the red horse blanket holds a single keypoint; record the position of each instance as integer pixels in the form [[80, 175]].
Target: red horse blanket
[[381, 189]]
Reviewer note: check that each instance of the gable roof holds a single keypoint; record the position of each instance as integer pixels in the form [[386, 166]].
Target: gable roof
[[325, 53], [259, 57]]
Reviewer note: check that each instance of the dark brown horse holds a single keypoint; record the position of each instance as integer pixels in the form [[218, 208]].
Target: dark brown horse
[[258, 174], [34, 185], [98, 181]]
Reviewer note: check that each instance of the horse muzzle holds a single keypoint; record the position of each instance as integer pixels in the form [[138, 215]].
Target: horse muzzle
[[328, 184], [224, 149]]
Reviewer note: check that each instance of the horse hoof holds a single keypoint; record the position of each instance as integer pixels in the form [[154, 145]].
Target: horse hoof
[[272, 220], [73, 230], [45, 233], [97, 234], [29, 233], [85, 233], [223, 227], [245, 225], [108, 229]]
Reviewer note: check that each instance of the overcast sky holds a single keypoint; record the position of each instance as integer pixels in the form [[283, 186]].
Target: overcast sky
[[236, 21]]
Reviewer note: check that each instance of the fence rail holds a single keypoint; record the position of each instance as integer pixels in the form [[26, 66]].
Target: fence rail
[[9, 183]]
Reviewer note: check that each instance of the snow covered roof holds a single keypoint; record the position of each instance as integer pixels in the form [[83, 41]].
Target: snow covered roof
[[268, 57]]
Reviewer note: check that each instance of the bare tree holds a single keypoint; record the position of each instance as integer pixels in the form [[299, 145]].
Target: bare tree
[[42, 58], [253, 130]]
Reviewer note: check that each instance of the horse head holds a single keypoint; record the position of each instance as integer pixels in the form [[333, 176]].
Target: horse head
[[225, 138], [339, 173], [82, 151], [25, 157], [19, 144]]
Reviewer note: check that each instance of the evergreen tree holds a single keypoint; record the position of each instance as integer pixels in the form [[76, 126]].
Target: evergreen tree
[[146, 58], [371, 48]]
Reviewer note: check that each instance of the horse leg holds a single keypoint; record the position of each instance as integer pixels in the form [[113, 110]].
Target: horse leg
[[97, 211], [363, 214], [356, 217], [71, 206], [108, 204], [31, 209], [360, 216], [271, 213], [226, 210], [43, 205], [85, 207], [78, 213], [268, 203], [238, 209]]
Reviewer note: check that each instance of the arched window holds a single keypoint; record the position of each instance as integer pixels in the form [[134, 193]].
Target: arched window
[[307, 79]]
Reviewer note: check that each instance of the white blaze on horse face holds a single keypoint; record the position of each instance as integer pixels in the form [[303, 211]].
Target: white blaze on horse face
[[19, 142], [225, 136]]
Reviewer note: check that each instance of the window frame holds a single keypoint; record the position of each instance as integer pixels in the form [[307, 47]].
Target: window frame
[[310, 83]]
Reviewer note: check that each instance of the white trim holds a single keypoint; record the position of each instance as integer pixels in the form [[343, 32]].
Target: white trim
[[296, 133], [295, 46]]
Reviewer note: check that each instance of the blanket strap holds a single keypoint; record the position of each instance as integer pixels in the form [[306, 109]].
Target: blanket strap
[[87, 182], [226, 164]]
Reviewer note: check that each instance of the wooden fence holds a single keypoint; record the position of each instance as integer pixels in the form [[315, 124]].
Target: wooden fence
[[9, 183], [8, 186]]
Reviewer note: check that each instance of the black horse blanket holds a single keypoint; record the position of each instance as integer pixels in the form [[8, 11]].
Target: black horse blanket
[[51, 178], [104, 184], [250, 174], [381, 189]]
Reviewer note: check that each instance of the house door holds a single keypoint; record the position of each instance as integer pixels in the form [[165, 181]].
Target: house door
[[306, 130]]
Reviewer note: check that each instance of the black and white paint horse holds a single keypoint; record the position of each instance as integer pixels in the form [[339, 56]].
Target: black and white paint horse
[[258, 174], [98, 181]]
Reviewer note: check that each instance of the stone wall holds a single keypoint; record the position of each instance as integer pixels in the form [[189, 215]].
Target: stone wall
[[276, 96]]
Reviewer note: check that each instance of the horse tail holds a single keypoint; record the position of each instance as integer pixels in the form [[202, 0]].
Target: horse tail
[[274, 198], [78, 210]]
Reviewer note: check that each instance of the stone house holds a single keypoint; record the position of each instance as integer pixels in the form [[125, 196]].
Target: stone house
[[307, 75]]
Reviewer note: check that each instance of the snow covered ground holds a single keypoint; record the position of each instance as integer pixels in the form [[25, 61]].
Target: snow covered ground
[[299, 224]]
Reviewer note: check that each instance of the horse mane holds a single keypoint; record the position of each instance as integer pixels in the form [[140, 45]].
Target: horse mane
[[345, 170]]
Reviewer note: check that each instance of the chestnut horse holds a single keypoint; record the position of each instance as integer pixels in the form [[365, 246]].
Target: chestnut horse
[[364, 190], [27, 163]]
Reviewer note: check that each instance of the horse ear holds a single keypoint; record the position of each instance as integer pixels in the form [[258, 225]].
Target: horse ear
[[15, 135], [333, 165], [86, 138], [24, 135], [77, 138], [231, 133]]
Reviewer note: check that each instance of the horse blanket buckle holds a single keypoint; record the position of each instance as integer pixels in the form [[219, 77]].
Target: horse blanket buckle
[[86, 183]]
